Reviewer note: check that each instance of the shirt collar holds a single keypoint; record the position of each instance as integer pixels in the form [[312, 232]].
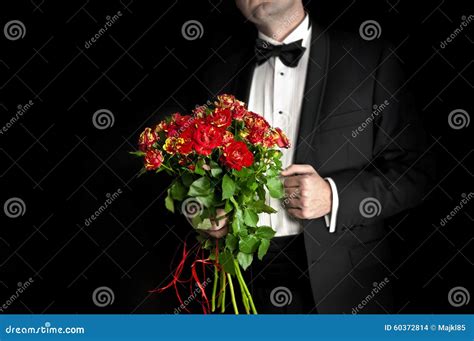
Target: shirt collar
[[300, 32]]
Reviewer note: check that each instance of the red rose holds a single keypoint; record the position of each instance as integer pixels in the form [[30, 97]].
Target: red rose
[[225, 100], [237, 155], [256, 127], [185, 142], [206, 138], [147, 138], [153, 159], [221, 118], [181, 120], [238, 111], [280, 138]]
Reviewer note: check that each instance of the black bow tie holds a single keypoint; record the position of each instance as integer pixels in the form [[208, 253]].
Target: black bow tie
[[289, 54]]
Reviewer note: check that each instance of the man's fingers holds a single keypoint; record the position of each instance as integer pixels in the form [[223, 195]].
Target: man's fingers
[[292, 192], [293, 181], [295, 212], [298, 169]]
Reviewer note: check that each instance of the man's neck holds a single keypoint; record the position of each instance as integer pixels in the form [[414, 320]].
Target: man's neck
[[280, 28]]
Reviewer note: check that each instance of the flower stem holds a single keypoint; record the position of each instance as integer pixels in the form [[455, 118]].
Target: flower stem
[[244, 285], [223, 286], [232, 294], [214, 288]]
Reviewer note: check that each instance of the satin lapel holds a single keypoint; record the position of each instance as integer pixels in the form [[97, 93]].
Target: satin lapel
[[313, 93]]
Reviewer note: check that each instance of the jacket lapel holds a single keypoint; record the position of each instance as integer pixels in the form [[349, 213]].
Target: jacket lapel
[[313, 93]]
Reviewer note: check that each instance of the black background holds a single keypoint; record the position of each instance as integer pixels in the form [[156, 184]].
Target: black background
[[62, 167]]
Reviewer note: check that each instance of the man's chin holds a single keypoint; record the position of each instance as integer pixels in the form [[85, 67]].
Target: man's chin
[[264, 10]]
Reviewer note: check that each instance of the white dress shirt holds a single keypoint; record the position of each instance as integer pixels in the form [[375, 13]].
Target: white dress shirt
[[277, 93]]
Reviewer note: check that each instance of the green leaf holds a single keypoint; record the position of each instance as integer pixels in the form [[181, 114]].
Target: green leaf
[[198, 169], [250, 218], [275, 187], [187, 179], [265, 232], [215, 169], [205, 224], [227, 261], [178, 191], [169, 204], [260, 207], [248, 244], [231, 242], [263, 248], [207, 200], [200, 187], [237, 221], [228, 187], [138, 153], [228, 206], [245, 259]]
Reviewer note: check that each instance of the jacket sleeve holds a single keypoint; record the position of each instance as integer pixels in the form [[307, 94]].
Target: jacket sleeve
[[401, 167]]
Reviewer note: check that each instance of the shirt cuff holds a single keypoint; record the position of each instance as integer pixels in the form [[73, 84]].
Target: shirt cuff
[[331, 217]]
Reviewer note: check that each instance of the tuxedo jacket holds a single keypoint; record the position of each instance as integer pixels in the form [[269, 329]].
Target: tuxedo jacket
[[358, 126]]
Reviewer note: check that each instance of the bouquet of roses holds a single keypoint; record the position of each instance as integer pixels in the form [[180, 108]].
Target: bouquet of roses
[[222, 158]]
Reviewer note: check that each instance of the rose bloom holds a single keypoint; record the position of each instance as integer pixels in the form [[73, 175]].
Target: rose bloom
[[221, 118], [153, 159], [147, 138], [238, 111], [185, 142], [225, 100], [207, 137], [280, 138], [237, 155]]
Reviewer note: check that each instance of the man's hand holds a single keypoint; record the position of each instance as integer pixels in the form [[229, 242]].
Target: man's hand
[[308, 195], [219, 227]]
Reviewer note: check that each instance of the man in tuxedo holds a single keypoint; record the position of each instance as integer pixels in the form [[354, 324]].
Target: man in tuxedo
[[357, 157]]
